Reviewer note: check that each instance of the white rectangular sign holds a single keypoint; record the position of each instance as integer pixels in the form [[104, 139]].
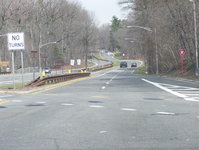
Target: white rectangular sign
[[78, 61], [16, 41], [72, 62]]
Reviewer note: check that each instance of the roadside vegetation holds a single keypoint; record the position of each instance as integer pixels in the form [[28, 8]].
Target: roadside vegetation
[[97, 55], [141, 70], [116, 63], [167, 25], [47, 21], [10, 86]]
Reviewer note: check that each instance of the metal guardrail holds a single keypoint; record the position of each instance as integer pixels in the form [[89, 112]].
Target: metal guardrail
[[60, 78], [98, 68], [2, 73], [65, 77], [56, 78]]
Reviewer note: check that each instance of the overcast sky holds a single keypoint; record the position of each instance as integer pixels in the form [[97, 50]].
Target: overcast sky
[[104, 10]]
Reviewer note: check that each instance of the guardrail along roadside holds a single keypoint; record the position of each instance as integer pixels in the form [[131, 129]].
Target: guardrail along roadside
[[98, 68], [56, 79], [3, 73], [66, 77]]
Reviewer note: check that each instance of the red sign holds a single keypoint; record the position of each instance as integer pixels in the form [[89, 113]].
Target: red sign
[[182, 51]]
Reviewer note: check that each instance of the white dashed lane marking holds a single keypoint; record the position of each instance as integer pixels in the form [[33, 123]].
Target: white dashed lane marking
[[65, 104], [109, 82], [128, 109], [96, 106], [102, 132], [41, 102], [103, 87]]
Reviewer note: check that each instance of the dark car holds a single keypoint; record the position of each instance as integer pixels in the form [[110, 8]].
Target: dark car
[[134, 64], [123, 64], [47, 70]]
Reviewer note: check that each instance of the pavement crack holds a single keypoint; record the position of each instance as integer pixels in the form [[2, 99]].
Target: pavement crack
[[56, 144]]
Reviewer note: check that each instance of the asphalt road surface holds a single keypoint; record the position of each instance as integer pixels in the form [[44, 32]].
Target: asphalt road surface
[[112, 110]]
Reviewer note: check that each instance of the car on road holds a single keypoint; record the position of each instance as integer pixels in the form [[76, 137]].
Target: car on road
[[123, 64], [134, 64], [47, 70]]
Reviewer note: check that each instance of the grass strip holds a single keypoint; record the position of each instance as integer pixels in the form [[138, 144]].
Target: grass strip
[[11, 86], [141, 70]]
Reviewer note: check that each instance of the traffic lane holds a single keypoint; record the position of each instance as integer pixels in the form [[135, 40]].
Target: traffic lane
[[67, 96], [153, 109], [74, 129], [34, 97], [38, 128], [23, 127], [151, 103], [129, 121], [112, 58], [165, 112], [101, 87], [107, 57]]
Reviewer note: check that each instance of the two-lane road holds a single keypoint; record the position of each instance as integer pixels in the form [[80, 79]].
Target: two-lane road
[[112, 110]]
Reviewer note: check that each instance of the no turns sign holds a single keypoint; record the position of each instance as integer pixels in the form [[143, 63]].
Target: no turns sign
[[16, 41]]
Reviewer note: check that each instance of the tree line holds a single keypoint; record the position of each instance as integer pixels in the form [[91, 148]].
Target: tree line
[[48, 21], [167, 26]]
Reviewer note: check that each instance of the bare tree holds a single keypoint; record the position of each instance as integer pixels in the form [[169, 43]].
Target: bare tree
[[47, 21], [173, 21]]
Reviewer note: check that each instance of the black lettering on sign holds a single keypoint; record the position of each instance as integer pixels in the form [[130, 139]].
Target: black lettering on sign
[[15, 37]]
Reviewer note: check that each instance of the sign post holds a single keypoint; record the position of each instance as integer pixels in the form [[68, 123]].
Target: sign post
[[16, 42], [72, 63], [13, 69], [182, 53], [34, 63], [22, 69]]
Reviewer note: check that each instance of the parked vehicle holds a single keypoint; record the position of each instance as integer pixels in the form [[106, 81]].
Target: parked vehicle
[[47, 70]]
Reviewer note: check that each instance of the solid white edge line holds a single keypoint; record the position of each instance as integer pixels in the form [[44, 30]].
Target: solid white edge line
[[191, 99], [165, 89]]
